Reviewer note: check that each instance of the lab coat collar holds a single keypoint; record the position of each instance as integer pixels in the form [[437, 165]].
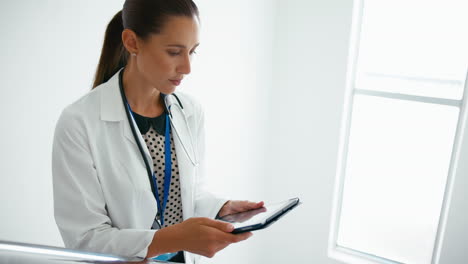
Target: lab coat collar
[[112, 108]]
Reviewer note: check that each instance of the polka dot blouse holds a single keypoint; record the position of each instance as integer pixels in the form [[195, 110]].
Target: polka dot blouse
[[152, 130]]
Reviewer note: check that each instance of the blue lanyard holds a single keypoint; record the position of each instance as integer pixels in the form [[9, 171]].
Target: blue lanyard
[[167, 168]]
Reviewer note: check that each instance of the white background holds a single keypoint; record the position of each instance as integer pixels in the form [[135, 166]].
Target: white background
[[271, 76]]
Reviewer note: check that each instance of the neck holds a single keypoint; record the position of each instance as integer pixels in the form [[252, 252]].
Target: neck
[[143, 99]]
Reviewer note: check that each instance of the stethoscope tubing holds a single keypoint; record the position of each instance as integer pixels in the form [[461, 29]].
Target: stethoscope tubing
[[193, 159]]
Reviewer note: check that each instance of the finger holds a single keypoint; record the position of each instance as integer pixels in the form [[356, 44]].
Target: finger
[[251, 205], [259, 204], [241, 237], [223, 226], [234, 238], [240, 206]]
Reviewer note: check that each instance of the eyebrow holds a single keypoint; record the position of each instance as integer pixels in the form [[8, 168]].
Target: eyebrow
[[181, 46]]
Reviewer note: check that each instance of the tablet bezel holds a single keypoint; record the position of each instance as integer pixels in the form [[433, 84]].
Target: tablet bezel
[[292, 203]]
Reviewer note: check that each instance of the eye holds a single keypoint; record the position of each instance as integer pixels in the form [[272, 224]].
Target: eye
[[193, 52], [173, 53]]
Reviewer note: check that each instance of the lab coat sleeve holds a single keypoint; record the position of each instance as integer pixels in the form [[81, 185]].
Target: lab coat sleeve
[[207, 204], [79, 204]]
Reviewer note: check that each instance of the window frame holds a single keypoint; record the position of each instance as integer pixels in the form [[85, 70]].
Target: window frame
[[353, 256]]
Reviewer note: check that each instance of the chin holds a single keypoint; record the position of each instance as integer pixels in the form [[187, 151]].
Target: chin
[[168, 90]]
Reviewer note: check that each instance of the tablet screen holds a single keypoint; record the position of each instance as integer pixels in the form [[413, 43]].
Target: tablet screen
[[259, 216]]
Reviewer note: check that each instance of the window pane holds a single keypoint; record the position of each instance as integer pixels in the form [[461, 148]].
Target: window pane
[[416, 47], [397, 165]]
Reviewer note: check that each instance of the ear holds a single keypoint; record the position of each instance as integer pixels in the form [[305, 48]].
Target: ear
[[130, 41]]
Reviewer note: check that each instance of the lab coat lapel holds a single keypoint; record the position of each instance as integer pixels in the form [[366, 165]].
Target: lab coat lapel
[[113, 109], [186, 168], [127, 131]]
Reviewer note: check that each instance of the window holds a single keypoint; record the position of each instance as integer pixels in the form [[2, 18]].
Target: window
[[401, 129]]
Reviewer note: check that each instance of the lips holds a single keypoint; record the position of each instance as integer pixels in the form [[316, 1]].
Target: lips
[[175, 82]]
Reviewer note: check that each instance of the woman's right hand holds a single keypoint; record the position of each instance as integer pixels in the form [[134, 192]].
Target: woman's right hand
[[203, 236]]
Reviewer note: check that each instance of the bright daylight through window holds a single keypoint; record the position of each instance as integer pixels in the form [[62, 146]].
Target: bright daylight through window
[[407, 80]]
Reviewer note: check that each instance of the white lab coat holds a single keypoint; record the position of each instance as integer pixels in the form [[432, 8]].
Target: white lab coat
[[102, 196]]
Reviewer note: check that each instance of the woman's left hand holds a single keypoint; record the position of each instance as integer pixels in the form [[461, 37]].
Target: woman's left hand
[[231, 207]]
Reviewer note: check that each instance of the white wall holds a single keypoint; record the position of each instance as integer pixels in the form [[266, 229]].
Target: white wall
[[49, 53], [305, 104], [311, 47], [232, 77]]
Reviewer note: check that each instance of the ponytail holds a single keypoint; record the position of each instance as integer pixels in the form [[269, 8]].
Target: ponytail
[[113, 54]]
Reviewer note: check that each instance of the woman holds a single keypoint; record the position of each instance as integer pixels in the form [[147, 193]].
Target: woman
[[123, 182]]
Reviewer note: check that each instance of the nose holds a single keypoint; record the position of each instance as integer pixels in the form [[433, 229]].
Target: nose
[[185, 67]]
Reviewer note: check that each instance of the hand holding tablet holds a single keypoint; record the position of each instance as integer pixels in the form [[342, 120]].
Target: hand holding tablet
[[259, 218]]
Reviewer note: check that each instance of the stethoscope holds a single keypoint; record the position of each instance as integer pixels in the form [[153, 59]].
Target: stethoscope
[[172, 107]]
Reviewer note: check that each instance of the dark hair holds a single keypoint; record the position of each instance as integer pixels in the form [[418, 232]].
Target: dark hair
[[144, 17]]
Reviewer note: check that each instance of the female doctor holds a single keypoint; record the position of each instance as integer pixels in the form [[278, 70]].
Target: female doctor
[[128, 156]]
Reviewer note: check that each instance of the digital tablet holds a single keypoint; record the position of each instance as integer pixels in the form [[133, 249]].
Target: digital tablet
[[259, 218]]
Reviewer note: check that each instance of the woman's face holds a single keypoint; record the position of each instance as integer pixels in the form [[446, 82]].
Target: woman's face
[[164, 59]]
